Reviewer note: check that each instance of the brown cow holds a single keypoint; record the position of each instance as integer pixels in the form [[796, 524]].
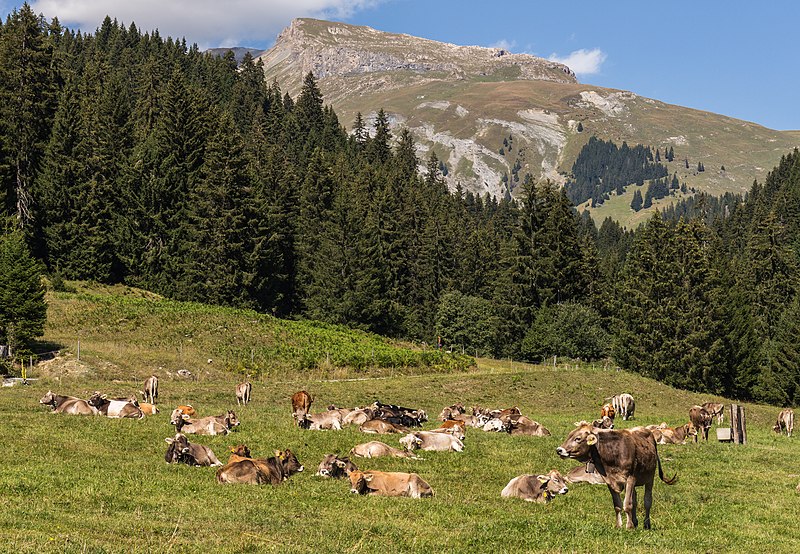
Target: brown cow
[[377, 449], [203, 426], [604, 423], [608, 411], [182, 451], [260, 471], [715, 409], [150, 392], [536, 488], [67, 404], [186, 409], [785, 421], [626, 459], [451, 411], [301, 403], [381, 427], [525, 426], [147, 408], [243, 391], [335, 467], [469, 420], [701, 420], [677, 435], [385, 483], [358, 416]]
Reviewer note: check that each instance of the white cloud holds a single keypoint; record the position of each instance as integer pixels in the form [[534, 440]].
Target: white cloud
[[504, 44], [209, 23], [582, 62]]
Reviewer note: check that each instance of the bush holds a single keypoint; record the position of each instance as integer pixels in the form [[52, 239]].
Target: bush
[[570, 330]]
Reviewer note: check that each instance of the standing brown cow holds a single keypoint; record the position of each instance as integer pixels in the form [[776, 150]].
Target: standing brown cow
[[625, 459], [301, 403], [715, 409], [150, 392], [243, 391], [701, 420]]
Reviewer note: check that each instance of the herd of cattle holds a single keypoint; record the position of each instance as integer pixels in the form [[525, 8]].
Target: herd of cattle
[[620, 459]]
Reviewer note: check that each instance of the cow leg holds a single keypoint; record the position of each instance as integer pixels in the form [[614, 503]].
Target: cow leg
[[648, 501], [630, 499], [617, 505], [634, 507]]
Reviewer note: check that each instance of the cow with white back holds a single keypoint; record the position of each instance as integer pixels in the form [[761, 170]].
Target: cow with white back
[[243, 392], [150, 392], [114, 408], [625, 459], [331, 420], [201, 426], [536, 488], [382, 427], [436, 442], [624, 406], [785, 422]]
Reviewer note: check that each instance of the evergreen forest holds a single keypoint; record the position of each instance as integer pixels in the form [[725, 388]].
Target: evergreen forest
[[127, 157]]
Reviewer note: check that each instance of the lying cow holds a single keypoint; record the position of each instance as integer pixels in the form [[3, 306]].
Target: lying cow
[[436, 442], [716, 409], [456, 431], [624, 405], [377, 449], [384, 483], [325, 421], [701, 420], [536, 488], [676, 435], [407, 417], [470, 420], [495, 425], [335, 467], [603, 423], [359, 416], [202, 426], [785, 422], [150, 392], [186, 409], [184, 452], [260, 471], [147, 408], [381, 427], [451, 411], [243, 392], [525, 426], [71, 405], [625, 459], [301, 404], [114, 408]]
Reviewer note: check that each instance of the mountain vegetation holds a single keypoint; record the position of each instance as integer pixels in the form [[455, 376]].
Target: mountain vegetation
[[130, 158]]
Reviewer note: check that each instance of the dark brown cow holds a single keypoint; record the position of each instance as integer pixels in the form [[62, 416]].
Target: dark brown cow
[[184, 452], [626, 459], [385, 483], [243, 391], [536, 488], [335, 467], [715, 409], [150, 392], [260, 471], [785, 421], [67, 404], [301, 404], [701, 420]]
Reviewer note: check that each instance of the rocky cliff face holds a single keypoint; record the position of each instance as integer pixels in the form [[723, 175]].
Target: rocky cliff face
[[494, 117]]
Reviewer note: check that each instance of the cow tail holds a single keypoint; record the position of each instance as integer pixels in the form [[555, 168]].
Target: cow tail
[[670, 481]]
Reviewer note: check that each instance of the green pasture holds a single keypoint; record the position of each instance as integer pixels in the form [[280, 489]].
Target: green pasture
[[91, 484]]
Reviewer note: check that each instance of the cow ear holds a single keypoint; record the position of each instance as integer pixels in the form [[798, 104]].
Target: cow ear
[[278, 454], [368, 477], [591, 439], [543, 479], [104, 396], [169, 440], [340, 463], [185, 416]]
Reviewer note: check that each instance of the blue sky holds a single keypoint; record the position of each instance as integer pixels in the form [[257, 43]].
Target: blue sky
[[730, 57]]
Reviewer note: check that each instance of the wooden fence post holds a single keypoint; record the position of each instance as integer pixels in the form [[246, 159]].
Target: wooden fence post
[[738, 424]]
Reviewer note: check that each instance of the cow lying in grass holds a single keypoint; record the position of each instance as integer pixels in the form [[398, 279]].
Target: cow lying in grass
[[335, 467], [114, 408], [427, 440], [376, 449], [260, 471], [536, 488], [71, 405], [181, 451], [384, 483]]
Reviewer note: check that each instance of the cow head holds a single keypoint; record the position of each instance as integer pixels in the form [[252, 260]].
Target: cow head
[[48, 399], [304, 422], [334, 466], [553, 483], [178, 448], [96, 400], [578, 443], [359, 482], [289, 462], [177, 414], [691, 430], [241, 450], [411, 442], [231, 420], [604, 423]]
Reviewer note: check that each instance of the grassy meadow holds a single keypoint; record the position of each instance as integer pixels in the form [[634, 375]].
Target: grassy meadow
[[92, 484]]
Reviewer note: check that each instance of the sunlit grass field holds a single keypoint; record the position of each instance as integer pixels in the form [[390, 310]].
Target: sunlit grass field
[[91, 484]]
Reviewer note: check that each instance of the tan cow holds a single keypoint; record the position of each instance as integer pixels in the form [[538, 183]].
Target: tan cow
[[202, 426], [785, 421], [523, 425], [381, 427], [677, 435], [260, 471], [334, 467], [384, 483], [301, 404], [331, 420], [608, 411], [358, 416], [435, 442], [625, 458], [701, 420], [150, 392], [377, 449], [715, 409], [148, 409], [536, 488], [451, 411], [243, 392], [182, 451], [71, 405]]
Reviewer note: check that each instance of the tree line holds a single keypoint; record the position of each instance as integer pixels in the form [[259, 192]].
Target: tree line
[[128, 157]]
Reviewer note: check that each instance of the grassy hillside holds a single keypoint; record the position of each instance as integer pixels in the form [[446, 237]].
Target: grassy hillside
[[127, 333], [78, 484]]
